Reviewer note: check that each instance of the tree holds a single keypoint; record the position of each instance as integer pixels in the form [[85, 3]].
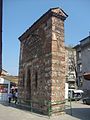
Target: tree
[[72, 68]]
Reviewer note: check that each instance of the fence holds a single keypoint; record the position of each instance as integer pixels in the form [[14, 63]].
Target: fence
[[48, 107]]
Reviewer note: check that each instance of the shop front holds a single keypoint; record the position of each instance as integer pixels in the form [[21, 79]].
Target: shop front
[[4, 89]]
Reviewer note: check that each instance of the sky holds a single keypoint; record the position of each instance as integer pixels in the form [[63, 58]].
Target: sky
[[19, 15]]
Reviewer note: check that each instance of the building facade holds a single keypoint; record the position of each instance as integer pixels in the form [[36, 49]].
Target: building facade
[[83, 64], [42, 61], [6, 83], [70, 60]]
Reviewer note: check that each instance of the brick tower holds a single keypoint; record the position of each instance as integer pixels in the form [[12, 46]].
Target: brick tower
[[42, 61]]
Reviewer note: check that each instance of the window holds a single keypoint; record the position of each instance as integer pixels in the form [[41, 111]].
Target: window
[[71, 68], [28, 79], [79, 55], [3, 88], [70, 53], [23, 80], [28, 84], [80, 81], [36, 78], [71, 76], [80, 67]]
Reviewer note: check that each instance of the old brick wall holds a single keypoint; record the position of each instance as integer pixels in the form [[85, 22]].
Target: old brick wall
[[58, 62], [36, 56], [42, 61], [58, 59]]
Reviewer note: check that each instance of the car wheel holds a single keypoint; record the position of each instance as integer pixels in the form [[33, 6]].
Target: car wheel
[[84, 101]]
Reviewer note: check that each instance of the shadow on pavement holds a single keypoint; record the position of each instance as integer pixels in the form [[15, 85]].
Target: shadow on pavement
[[80, 113], [27, 109], [14, 106]]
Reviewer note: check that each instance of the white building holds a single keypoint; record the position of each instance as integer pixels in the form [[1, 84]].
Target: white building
[[4, 86], [70, 60], [4, 89], [70, 57], [6, 82]]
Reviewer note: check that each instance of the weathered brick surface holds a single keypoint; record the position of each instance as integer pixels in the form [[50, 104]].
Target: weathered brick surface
[[42, 60], [58, 66]]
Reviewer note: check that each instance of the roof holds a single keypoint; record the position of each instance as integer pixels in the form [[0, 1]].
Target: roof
[[84, 39], [4, 72], [69, 48], [57, 12], [77, 46], [11, 78]]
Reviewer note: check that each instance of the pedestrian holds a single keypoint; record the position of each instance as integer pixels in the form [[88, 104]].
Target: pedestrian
[[16, 96], [13, 95], [9, 97]]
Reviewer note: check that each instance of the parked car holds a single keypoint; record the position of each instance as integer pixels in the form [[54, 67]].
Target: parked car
[[75, 94], [86, 100]]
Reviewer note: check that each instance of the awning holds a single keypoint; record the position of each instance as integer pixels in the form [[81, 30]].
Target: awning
[[86, 76], [13, 79], [78, 91]]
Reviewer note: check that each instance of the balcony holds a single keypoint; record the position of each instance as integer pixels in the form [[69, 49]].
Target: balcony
[[86, 76], [71, 80]]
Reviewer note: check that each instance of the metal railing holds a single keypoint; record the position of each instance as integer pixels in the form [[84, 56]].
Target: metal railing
[[50, 107], [59, 107]]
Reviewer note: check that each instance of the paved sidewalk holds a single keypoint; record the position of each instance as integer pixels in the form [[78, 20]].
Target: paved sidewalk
[[79, 112]]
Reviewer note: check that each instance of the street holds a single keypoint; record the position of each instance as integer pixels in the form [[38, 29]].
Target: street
[[79, 112]]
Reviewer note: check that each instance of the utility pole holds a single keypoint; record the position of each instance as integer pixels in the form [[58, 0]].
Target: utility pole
[[0, 36]]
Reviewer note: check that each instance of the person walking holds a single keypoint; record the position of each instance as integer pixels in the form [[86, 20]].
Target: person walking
[[9, 97], [16, 96]]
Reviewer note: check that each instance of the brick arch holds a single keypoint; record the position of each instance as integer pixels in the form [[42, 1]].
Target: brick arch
[[28, 82]]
